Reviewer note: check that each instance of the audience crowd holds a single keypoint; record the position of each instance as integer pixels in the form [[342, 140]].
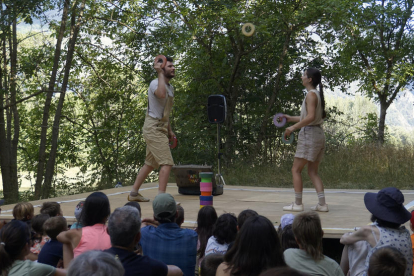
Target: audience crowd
[[121, 243]]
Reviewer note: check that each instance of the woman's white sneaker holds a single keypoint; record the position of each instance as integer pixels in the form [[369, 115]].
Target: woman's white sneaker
[[320, 208], [294, 207]]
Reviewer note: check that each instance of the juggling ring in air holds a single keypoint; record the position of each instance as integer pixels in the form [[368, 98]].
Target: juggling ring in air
[[173, 142], [278, 120], [291, 139], [161, 57], [252, 28]]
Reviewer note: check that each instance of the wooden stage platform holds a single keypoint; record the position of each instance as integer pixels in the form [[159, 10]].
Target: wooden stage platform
[[347, 209]]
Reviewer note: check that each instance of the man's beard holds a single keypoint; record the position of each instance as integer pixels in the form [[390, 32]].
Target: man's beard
[[169, 76]]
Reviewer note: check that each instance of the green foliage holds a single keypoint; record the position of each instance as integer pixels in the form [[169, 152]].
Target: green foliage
[[374, 46], [351, 120], [354, 166], [355, 120], [217, 59], [104, 110], [401, 136], [370, 133]]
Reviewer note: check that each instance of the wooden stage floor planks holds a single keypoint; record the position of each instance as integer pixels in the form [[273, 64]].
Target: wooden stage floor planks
[[346, 207]]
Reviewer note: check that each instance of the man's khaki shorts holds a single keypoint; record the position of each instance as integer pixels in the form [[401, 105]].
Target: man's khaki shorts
[[158, 151], [311, 143]]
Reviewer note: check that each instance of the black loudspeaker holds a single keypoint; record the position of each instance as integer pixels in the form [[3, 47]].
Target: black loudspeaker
[[216, 109]]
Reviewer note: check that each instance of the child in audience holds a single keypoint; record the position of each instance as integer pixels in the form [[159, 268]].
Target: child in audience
[[285, 232], [387, 261], [180, 217], [285, 220], [245, 214], [224, 232], [40, 237], [206, 219], [210, 263], [134, 204], [24, 211], [52, 251], [309, 258], [78, 210], [388, 214], [51, 208], [93, 234], [14, 247], [241, 218], [287, 238], [256, 249]]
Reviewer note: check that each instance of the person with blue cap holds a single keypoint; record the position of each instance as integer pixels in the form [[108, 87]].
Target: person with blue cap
[[388, 215]]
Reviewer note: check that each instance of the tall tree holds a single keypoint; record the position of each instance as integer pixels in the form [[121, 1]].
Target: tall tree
[[375, 45], [46, 109], [11, 13], [76, 22], [111, 93]]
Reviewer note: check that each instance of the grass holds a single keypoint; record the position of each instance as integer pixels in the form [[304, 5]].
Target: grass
[[355, 166]]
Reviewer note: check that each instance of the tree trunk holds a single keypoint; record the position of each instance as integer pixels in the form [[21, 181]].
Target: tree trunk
[[15, 113], [43, 136], [381, 124], [9, 139], [10, 194], [75, 26]]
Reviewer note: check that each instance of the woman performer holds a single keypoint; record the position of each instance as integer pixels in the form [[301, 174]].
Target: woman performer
[[311, 142]]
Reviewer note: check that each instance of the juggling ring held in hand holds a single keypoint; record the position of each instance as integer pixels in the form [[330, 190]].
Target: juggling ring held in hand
[[278, 120], [248, 25], [291, 139], [163, 58], [173, 142]]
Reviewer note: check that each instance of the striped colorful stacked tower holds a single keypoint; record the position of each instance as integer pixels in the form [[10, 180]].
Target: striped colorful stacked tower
[[206, 189]]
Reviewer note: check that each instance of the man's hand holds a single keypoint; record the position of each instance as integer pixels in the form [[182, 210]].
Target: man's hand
[[138, 251], [150, 221], [60, 264], [157, 67], [171, 135]]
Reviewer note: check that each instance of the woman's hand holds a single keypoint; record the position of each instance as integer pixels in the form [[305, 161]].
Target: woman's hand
[[289, 131], [288, 118]]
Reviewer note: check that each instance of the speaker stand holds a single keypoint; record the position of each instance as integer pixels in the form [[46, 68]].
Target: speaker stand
[[219, 176]]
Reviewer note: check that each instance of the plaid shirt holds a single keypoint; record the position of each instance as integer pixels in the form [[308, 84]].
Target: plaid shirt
[[172, 245]]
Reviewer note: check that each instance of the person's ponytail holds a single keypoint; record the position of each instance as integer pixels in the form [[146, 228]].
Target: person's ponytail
[[322, 100], [316, 77], [5, 260], [13, 238]]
